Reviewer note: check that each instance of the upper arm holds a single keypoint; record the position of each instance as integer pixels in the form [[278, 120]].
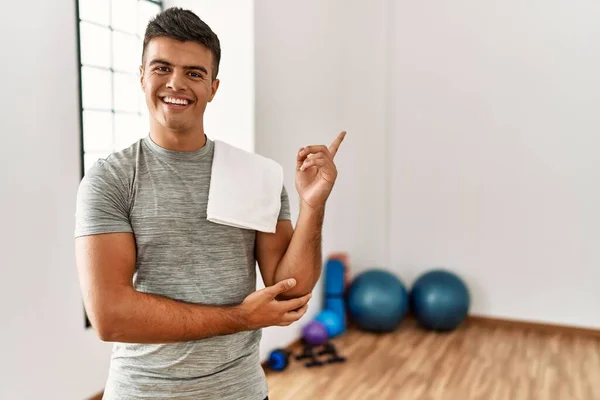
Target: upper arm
[[270, 248], [104, 245], [105, 264]]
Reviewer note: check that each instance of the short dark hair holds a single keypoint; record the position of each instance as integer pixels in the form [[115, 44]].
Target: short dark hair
[[183, 25]]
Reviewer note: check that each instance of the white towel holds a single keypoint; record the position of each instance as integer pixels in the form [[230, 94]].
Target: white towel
[[245, 189]]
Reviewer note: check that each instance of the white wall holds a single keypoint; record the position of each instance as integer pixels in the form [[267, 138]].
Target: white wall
[[46, 351], [471, 141], [230, 116], [495, 168], [317, 73]]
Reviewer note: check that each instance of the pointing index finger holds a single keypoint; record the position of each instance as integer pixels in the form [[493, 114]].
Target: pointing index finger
[[336, 143]]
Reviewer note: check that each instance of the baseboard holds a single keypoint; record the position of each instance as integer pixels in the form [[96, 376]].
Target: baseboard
[[538, 326]]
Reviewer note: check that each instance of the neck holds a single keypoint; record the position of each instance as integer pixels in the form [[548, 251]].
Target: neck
[[169, 139]]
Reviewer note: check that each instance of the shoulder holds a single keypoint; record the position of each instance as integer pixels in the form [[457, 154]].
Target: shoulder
[[117, 167]]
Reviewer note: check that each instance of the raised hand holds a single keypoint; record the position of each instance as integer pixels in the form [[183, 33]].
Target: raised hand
[[316, 172], [261, 309]]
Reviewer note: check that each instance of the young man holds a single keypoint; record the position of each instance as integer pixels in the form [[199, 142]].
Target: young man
[[174, 291]]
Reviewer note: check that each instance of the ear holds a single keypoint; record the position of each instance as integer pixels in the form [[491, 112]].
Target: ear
[[214, 88], [142, 79]]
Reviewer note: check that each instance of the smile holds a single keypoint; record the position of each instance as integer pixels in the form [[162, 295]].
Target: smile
[[175, 101]]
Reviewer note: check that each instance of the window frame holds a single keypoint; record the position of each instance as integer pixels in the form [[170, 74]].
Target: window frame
[[80, 66]]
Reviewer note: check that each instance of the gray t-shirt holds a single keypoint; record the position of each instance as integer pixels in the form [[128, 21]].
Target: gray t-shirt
[[161, 195]]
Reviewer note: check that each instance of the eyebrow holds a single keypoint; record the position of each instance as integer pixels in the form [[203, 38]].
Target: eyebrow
[[168, 64]]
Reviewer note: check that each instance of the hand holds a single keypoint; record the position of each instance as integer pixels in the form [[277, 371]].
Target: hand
[[316, 172], [260, 309]]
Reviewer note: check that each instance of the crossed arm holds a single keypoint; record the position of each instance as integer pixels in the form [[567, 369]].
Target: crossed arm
[[118, 312]]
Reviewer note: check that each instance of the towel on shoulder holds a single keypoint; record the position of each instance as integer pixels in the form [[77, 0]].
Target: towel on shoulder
[[245, 189]]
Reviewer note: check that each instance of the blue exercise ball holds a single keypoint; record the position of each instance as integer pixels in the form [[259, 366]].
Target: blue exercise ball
[[440, 300], [377, 301], [332, 321]]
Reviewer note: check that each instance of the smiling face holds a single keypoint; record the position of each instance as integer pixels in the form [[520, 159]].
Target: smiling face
[[177, 82]]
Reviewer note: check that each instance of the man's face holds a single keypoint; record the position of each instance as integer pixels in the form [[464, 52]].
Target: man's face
[[177, 81]]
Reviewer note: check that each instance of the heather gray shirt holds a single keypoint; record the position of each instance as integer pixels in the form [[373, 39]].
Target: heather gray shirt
[[161, 195]]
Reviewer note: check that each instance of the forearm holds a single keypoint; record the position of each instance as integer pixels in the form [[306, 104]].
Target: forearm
[[137, 317], [303, 257]]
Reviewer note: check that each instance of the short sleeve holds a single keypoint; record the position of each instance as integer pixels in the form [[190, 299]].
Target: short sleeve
[[284, 212], [102, 202]]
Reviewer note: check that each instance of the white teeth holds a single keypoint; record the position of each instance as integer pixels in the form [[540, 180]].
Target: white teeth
[[173, 100]]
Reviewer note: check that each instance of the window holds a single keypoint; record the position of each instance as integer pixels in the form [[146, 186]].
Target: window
[[113, 110]]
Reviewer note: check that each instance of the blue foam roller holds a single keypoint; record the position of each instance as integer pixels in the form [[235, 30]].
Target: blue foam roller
[[337, 306], [334, 278], [334, 290]]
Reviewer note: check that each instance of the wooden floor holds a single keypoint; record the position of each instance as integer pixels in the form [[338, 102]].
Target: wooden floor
[[477, 361]]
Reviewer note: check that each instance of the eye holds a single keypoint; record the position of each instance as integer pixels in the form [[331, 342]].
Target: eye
[[162, 69], [195, 75]]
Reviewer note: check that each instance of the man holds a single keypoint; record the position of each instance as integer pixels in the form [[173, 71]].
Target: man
[[175, 291]]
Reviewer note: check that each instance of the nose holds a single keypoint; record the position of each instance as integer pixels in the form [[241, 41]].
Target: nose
[[176, 81]]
